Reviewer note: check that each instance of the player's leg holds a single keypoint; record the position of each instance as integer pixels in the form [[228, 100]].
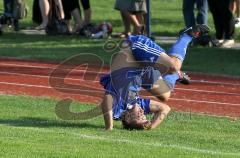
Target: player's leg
[[163, 87], [123, 59], [178, 51], [148, 52]]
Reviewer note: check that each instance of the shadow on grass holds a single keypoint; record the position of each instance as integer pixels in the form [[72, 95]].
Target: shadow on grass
[[46, 123]]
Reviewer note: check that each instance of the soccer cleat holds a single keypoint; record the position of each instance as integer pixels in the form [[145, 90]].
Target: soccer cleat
[[184, 78], [196, 31]]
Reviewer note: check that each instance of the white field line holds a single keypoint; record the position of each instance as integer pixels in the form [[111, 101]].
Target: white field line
[[49, 67], [206, 91], [133, 142], [213, 82], [204, 101], [54, 67], [101, 91], [96, 81], [49, 87], [45, 76]]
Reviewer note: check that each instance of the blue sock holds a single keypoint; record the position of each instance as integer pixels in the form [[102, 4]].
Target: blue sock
[[180, 47], [171, 80]]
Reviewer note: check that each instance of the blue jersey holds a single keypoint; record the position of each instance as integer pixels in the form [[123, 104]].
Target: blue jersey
[[144, 49], [124, 85]]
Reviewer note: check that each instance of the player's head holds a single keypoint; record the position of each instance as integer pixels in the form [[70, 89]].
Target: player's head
[[134, 118]]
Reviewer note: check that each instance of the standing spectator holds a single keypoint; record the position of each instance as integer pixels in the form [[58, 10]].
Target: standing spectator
[[7, 17], [223, 21], [122, 6], [72, 8], [188, 12], [44, 9], [131, 12], [87, 12], [137, 10]]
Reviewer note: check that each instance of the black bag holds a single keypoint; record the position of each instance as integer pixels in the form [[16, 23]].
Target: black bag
[[56, 25]]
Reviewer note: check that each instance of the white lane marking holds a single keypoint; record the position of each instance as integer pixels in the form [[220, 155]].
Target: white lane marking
[[96, 81], [47, 77], [204, 101], [206, 91], [54, 67], [101, 91], [213, 82], [49, 87], [133, 142]]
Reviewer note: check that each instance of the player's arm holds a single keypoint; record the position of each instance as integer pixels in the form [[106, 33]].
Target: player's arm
[[160, 111], [106, 106]]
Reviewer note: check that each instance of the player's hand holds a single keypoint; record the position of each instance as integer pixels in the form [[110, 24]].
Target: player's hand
[[147, 126]]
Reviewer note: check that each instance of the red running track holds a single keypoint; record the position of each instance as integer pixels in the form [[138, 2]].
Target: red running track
[[214, 95]]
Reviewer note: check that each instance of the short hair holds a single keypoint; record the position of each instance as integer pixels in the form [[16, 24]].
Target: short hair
[[129, 121]]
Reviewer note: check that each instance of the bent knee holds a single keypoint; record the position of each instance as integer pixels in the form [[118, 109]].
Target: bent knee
[[164, 97]]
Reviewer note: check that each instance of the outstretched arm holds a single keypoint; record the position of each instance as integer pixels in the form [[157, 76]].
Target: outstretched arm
[[160, 111], [106, 106]]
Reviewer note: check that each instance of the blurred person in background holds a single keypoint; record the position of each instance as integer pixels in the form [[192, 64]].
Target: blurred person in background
[[45, 9], [13, 11], [223, 22], [87, 12], [132, 12], [235, 8], [72, 9], [188, 12]]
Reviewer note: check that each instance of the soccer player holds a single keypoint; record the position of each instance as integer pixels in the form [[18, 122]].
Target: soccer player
[[143, 64]]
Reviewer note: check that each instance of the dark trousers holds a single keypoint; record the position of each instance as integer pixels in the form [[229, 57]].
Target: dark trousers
[[8, 7], [85, 4], [223, 18], [188, 12]]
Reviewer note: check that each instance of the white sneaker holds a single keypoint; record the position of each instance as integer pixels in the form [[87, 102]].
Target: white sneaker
[[220, 41], [237, 22], [228, 43]]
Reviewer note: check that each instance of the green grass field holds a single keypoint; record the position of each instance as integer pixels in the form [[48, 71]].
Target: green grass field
[[30, 128]]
